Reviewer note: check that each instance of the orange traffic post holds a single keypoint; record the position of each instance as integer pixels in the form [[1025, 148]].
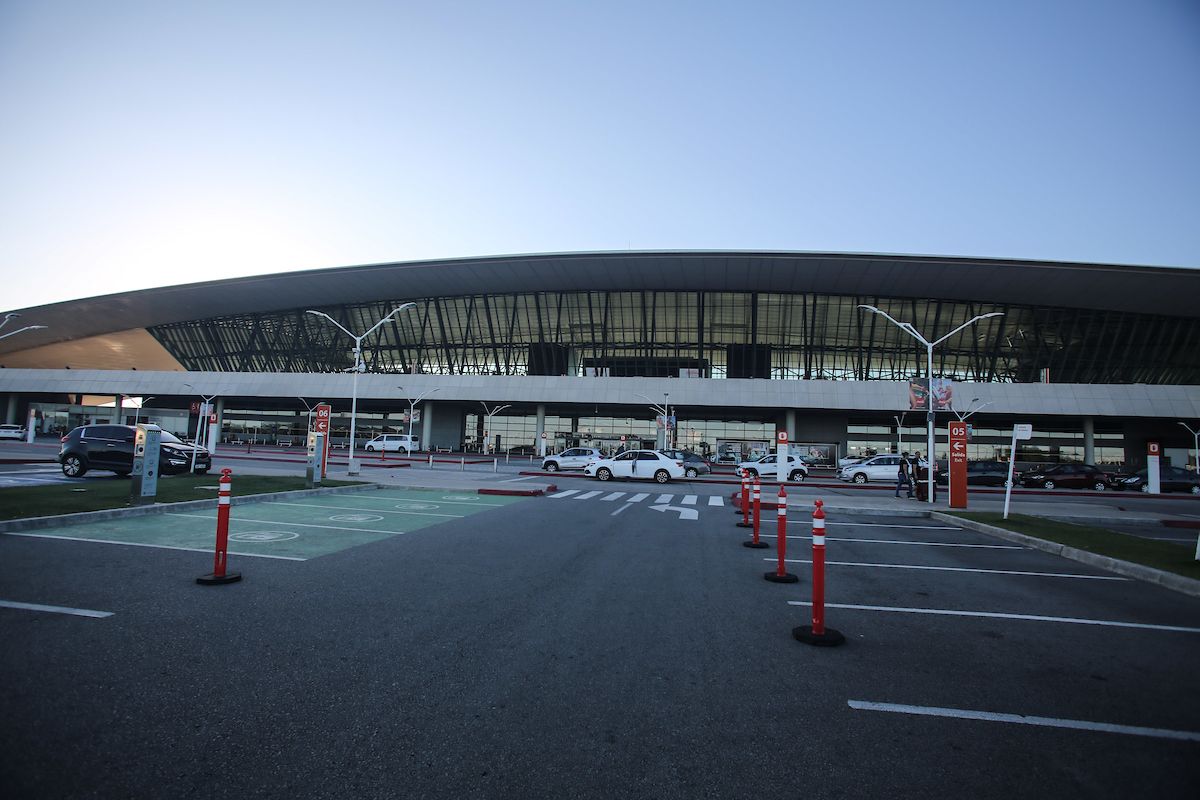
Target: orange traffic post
[[745, 523], [781, 575], [817, 634], [219, 575], [755, 543]]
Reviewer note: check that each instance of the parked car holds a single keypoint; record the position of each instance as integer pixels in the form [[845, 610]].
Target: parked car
[[645, 464], [767, 465], [110, 447], [1067, 476], [12, 432], [846, 461], [980, 473], [693, 463], [875, 468], [1170, 479], [394, 442], [571, 458]]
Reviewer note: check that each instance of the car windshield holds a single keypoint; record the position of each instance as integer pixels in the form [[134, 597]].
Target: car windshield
[[170, 438]]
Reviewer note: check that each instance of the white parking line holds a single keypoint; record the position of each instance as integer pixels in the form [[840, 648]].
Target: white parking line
[[586, 496], [368, 510], [261, 522], [716, 500], [613, 496], [619, 510], [75, 612], [514, 480], [945, 612], [961, 569], [567, 493], [637, 498], [153, 546], [689, 500], [889, 525], [893, 541], [1020, 719]]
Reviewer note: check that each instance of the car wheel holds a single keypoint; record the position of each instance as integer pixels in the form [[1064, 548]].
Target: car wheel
[[551, 466], [202, 471], [1146, 489], [603, 473], [662, 476], [753, 473], [370, 449], [74, 467], [1196, 489], [1048, 485], [1099, 486], [860, 477], [691, 472], [797, 476]]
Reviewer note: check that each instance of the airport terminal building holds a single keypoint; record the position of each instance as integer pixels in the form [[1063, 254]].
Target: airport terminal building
[[734, 346]]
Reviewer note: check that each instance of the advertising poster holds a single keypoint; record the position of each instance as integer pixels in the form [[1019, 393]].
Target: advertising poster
[[918, 394]]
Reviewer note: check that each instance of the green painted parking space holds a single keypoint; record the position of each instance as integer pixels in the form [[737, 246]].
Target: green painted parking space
[[304, 527]]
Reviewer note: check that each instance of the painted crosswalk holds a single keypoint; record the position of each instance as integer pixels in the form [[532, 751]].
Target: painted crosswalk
[[626, 497]]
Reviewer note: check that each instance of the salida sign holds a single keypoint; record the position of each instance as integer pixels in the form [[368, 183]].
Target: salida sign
[[958, 465]]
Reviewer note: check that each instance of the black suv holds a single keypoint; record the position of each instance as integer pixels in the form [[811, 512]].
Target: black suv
[[110, 447]]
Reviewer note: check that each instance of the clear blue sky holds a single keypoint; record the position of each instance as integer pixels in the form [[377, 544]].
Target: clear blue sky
[[155, 143]]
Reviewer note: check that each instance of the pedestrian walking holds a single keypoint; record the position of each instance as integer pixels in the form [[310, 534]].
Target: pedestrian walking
[[904, 476]]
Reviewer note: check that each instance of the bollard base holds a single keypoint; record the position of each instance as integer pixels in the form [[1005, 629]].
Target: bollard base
[[830, 638], [213, 579], [756, 545], [745, 524], [775, 577]]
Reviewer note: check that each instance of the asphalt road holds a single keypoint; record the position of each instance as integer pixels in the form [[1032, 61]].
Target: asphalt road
[[594, 647]]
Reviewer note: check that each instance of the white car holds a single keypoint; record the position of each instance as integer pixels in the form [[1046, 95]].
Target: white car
[[768, 466], [394, 441], [876, 468], [646, 464], [12, 432], [571, 458]]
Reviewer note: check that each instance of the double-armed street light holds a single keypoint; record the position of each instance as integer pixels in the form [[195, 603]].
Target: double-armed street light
[[971, 409], [487, 424], [199, 421], [138, 411], [1195, 446], [908, 328], [11, 315], [412, 404], [358, 367], [665, 411]]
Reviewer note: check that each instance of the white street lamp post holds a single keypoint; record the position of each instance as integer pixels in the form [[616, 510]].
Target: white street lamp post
[[412, 404], [310, 413], [9, 316], [359, 366], [487, 423], [664, 410], [911, 331], [1195, 445], [199, 421], [138, 411], [971, 409], [900, 432]]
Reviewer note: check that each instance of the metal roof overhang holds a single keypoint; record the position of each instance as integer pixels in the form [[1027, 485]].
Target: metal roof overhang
[[1154, 290]]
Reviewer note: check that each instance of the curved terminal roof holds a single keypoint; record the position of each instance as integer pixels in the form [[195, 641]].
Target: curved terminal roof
[[1152, 290]]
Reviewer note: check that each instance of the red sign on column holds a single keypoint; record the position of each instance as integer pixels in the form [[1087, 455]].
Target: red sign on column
[[958, 465], [1153, 449], [321, 419]]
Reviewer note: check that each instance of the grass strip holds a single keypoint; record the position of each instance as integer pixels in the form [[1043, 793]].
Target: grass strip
[[100, 493], [1159, 555]]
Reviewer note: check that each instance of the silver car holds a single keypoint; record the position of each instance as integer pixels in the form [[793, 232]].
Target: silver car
[[571, 458], [876, 468]]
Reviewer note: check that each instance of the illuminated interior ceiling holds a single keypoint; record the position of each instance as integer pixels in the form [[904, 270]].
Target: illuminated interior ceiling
[[131, 349]]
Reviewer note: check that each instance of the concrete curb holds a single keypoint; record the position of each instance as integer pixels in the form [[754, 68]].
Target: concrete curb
[[1167, 580], [84, 517]]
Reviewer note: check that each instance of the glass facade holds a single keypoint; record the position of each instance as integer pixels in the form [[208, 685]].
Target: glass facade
[[715, 334]]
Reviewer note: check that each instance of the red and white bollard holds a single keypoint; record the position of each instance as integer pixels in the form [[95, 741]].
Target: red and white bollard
[[818, 634], [781, 575], [745, 523], [757, 516], [219, 575]]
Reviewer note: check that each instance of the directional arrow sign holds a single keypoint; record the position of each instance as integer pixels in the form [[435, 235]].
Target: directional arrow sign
[[684, 513]]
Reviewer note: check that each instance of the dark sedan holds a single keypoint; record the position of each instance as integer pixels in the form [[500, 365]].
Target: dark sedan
[[981, 473], [693, 463], [1067, 476], [1170, 479]]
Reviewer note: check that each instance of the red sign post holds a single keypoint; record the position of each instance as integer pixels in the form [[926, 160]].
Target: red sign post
[[321, 425], [958, 465]]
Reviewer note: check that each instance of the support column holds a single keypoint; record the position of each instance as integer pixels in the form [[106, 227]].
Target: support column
[[10, 413], [540, 428], [427, 425], [118, 417], [1089, 440], [214, 432], [790, 424]]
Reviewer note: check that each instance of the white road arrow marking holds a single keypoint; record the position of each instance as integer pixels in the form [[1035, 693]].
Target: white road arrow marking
[[684, 513]]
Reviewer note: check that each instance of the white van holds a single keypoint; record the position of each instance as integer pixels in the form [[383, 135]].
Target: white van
[[394, 441]]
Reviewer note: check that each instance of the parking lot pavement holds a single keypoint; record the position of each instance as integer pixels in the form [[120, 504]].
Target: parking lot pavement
[[549, 647]]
